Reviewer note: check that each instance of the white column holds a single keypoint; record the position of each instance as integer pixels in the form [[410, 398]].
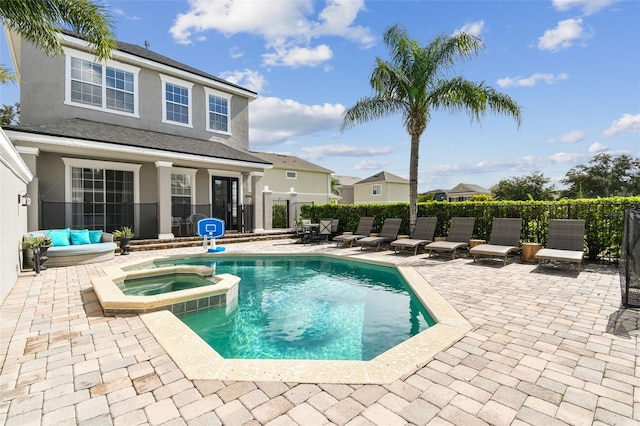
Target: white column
[[258, 201], [163, 171]]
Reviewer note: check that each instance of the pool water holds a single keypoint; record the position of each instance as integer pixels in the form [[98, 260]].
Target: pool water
[[310, 308], [150, 286]]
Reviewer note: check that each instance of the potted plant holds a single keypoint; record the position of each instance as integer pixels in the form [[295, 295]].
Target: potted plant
[[124, 235], [29, 244]]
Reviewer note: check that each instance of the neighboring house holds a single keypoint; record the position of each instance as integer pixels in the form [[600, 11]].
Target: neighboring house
[[345, 186], [382, 187], [464, 191], [140, 140], [295, 181]]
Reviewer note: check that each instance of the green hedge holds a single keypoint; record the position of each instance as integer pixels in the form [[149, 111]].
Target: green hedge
[[604, 218]]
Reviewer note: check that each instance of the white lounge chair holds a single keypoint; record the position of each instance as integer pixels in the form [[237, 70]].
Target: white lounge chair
[[566, 242], [422, 235], [504, 239], [388, 233], [459, 235], [363, 230]]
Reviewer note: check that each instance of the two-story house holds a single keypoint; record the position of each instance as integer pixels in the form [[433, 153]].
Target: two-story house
[[140, 140], [383, 187]]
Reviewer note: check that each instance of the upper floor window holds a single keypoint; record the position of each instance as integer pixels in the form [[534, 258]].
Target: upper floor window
[[177, 103], [291, 175], [376, 189], [217, 110], [111, 87]]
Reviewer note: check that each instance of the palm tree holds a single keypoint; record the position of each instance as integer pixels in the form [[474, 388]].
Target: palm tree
[[39, 21], [415, 82]]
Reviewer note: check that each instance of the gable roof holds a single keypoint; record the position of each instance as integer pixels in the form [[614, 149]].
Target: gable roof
[[150, 55], [383, 177], [468, 187], [348, 180], [289, 162], [78, 128]]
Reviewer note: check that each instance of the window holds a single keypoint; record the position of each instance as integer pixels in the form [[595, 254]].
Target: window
[[376, 189], [101, 198], [180, 195], [291, 175], [217, 110], [111, 87], [176, 106]]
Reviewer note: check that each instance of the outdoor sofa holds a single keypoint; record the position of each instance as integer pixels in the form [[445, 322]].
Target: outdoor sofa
[[77, 247]]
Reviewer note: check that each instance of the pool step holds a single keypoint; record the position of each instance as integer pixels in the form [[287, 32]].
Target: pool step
[[229, 238]]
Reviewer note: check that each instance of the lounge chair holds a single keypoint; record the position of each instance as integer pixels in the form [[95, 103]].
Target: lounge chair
[[388, 233], [459, 235], [363, 230], [566, 242], [422, 235], [504, 239]]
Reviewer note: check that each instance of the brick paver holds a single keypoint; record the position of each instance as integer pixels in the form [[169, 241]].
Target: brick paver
[[548, 347]]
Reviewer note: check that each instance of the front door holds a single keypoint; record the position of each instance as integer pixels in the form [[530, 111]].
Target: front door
[[225, 200]]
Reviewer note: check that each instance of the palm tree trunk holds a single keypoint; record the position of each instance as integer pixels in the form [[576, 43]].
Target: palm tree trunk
[[413, 182]]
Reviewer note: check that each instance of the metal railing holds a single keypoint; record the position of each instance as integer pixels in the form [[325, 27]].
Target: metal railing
[[142, 217]]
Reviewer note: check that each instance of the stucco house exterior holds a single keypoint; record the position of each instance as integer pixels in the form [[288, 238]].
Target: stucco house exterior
[[383, 187], [140, 140], [464, 191], [345, 187]]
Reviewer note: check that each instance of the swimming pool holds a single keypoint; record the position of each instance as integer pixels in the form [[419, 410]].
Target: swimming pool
[[309, 307]]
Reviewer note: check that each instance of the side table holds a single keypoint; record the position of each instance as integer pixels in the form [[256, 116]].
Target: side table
[[529, 251]]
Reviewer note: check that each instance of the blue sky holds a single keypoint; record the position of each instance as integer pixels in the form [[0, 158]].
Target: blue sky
[[572, 65]]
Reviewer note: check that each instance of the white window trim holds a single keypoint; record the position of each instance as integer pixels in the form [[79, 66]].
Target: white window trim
[[192, 174], [177, 82], [69, 53], [69, 163], [295, 174], [208, 91], [373, 190]]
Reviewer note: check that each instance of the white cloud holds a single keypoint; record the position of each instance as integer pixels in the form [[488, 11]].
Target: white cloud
[[371, 165], [314, 153], [474, 28], [626, 124], [597, 147], [122, 14], [563, 36], [571, 137], [532, 80], [252, 80], [588, 6], [523, 164], [298, 56], [235, 52], [275, 121], [288, 27]]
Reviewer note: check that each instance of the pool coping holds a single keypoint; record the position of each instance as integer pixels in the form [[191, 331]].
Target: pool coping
[[199, 361]]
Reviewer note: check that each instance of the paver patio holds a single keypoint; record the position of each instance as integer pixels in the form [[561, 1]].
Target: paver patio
[[548, 347]]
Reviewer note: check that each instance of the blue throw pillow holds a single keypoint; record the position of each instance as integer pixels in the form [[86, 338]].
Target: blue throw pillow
[[80, 237], [59, 237], [95, 236]]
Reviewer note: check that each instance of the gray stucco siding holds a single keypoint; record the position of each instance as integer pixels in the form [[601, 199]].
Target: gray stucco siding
[[42, 99]]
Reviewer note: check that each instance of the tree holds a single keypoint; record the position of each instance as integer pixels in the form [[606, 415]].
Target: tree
[[605, 176], [334, 185], [9, 114], [415, 82], [40, 22], [525, 188]]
